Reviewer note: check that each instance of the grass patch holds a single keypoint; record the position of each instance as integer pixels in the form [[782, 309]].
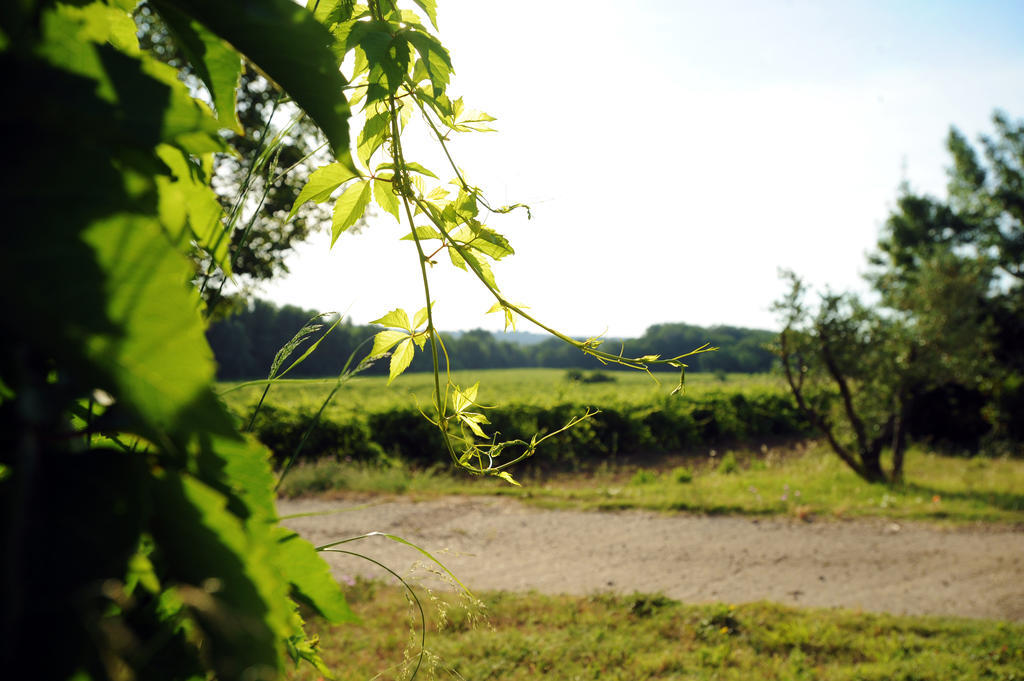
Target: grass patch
[[645, 636], [805, 481]]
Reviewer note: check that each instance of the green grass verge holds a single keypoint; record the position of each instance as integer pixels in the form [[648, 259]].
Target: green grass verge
[[807, 481], [609, 637]]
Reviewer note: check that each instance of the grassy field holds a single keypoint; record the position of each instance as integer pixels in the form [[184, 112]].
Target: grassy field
[[634, 637], [805, 480], [540, 387], [604, 636]]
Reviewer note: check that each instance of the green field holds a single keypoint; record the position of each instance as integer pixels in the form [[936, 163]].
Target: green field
[[623, 636], [620, 460], [536, 387], [634, 637]]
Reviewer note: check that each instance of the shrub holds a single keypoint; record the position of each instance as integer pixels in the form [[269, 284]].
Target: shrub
[[728, 464], [643, 477], [682, 475]]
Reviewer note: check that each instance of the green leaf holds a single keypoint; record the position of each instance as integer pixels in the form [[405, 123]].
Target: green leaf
[[421, 316], [372, 136], [186, 193], [456, 258], [288, 44], [223, 572], [321, 184], [310, 576], [329, 12], [385, 340], [424, 232], [215, 62], [401, 359], [482, 269], [149, 103], [409, 165], [105, 24], [435, 60], [469, 120], [507, 477], [161, 360], [349, 208], [386, 199], [473, 420], [430, 8], [396, 319], [490, 243]]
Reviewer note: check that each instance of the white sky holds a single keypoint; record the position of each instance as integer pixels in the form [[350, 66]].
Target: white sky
[[677, 155]]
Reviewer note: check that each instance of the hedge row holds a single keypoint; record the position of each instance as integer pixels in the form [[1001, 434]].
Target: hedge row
[[664, 426]]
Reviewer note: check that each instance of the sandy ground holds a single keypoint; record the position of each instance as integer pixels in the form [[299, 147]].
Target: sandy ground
[[872, 565]]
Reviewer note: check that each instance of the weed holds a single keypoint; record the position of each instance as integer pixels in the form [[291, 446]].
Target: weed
[[681, 475], [643, 477], [727, 465]]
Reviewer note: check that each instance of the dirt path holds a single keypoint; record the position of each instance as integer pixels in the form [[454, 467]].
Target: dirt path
[[495, 543]]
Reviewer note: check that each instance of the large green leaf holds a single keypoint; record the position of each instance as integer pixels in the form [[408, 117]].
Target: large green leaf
[[430, 7], [225, 573], [160, 359], [435, 59], [151, 104], [310, 576], [291, 47], [186, 193], [215, 62]]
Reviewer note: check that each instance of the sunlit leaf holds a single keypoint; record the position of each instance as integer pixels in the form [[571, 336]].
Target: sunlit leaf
[[507, 477], [310, 576], [385, 196], [214, 61], [373, 134], [421, 316], [288, 44], [349, 208], [435, 60], [385, 340], [490, 243], [396, 319], [430, 7], [423, 232], [321, 184], [482, 269], [410, 165], [401, 358], [187, 194], [161, 359]]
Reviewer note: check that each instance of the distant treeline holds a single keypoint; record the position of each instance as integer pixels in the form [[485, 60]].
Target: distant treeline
[[245, 344]]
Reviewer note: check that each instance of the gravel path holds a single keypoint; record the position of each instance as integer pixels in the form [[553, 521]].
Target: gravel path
[[872, 565]]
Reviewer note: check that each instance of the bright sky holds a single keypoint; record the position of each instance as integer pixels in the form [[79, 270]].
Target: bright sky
[[678, 153]]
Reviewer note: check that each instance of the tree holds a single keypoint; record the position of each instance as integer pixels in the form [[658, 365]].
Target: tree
[[941, 357], [846, 349], [956, 267]]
